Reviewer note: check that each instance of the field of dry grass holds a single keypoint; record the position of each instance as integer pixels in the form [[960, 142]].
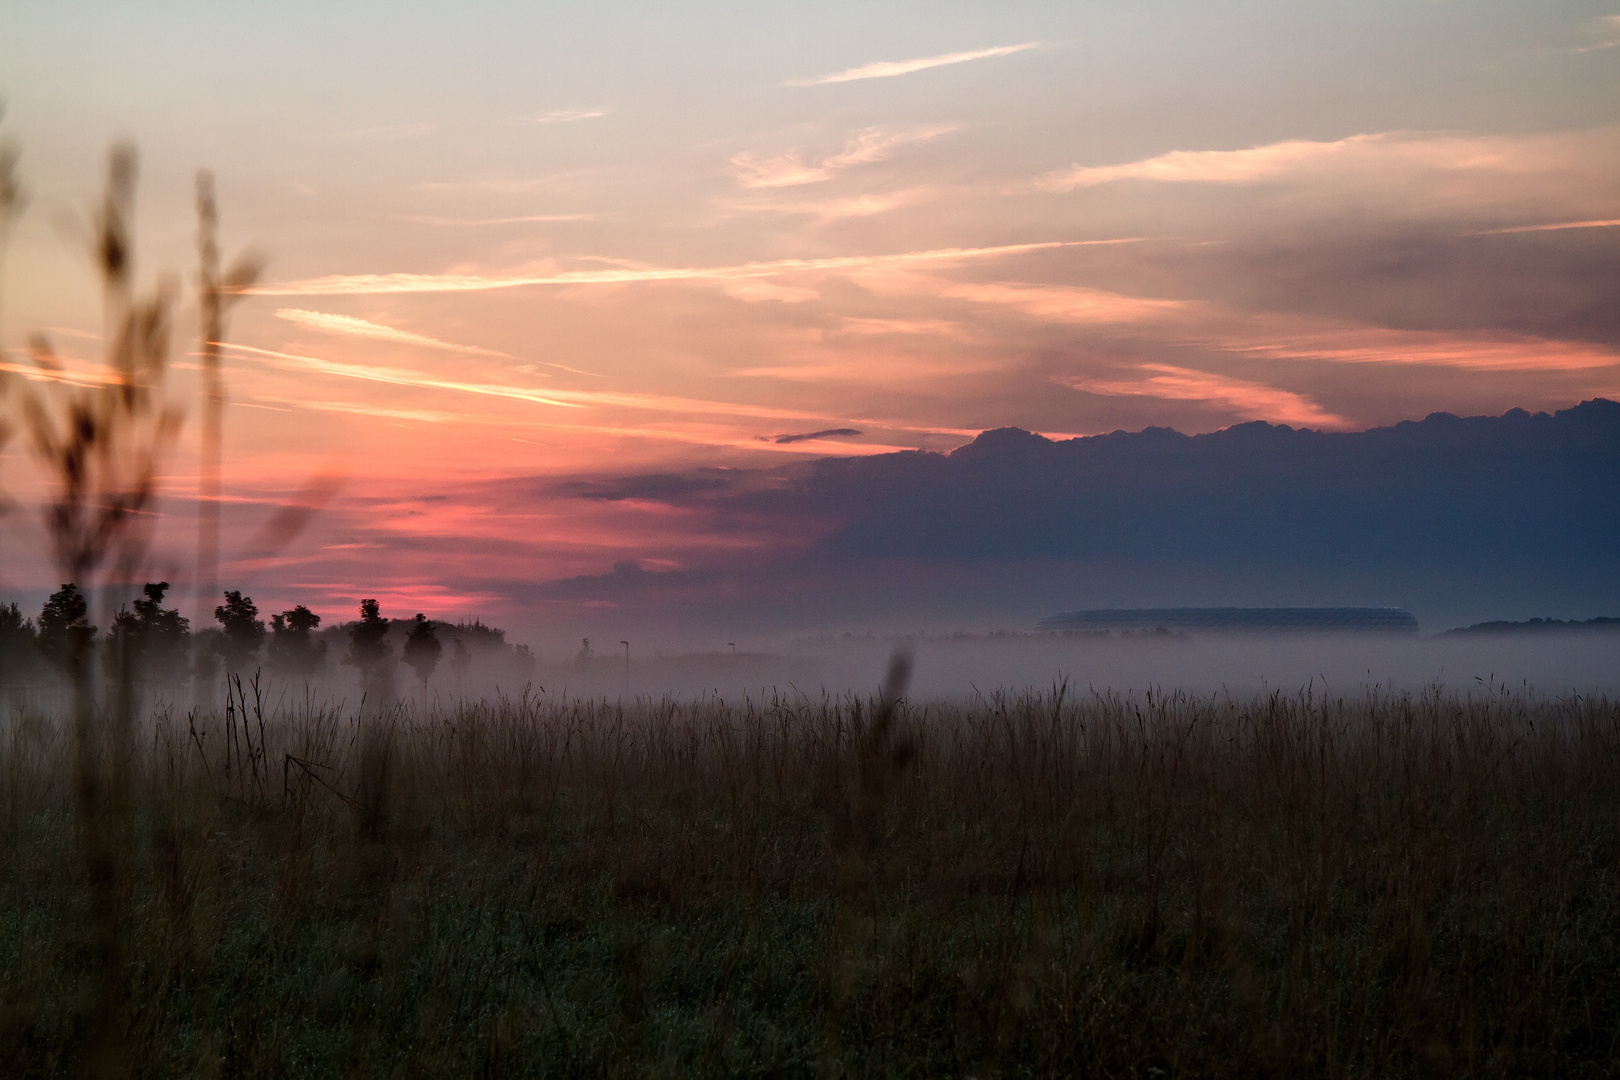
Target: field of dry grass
[[1023, 884]]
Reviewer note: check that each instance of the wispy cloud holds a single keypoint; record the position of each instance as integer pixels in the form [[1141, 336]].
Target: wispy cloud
[[759, 290], [1376, 152], [392, 132], [529, 368], [783, 440], [1251, 400], [505, 185], [1608, 31], [1208, 166], [356, 408], [371, 284], [565, 116], [401, 377], [1357, 344], [353, 327], [570, 399], [888, 69], [1605, 223], [921, 327], [789, 170], [1066, 303], [864, 205], [423, 219], [1181, 323]]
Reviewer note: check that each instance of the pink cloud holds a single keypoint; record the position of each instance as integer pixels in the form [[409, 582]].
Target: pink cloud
[[1253, 400]]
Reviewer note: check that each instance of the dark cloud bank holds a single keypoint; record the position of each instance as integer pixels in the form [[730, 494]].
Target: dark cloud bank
[[1458, 519]]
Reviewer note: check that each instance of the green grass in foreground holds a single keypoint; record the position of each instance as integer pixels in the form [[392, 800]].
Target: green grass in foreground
[[1387, 886]]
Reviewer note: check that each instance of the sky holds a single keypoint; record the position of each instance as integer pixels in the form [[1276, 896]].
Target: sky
[[516, 248]]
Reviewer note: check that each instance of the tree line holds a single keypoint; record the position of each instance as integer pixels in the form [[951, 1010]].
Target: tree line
[[159, 644]]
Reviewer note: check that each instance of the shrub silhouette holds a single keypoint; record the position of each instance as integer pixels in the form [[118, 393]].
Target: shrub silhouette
[[422, 649], [294, 650], [244, 630]]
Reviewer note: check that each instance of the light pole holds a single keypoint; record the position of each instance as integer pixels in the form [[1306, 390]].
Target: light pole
[[733, 645], [626, 645]]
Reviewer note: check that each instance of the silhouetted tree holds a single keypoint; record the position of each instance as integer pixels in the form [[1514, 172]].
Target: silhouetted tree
[[422, 649], [294, 650], [368, 649], [157, 637], [65, 631], [244, 630], [19, 652]]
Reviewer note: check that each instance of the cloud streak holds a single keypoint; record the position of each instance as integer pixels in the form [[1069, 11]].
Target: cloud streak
[[377, 284], [353, 327], [888, 69]]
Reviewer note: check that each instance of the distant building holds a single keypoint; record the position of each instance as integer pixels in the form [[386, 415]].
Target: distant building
[[1338, 620]]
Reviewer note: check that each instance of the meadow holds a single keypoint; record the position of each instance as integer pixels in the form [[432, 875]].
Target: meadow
[[1030, 883]]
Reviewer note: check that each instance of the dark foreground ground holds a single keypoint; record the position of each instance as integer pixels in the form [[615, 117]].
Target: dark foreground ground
[[1385, 886]]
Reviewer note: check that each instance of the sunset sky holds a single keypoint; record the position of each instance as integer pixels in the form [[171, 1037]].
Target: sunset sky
[[516, 248]]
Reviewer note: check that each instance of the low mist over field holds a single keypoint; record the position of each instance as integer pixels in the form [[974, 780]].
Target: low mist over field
[[962, 667]]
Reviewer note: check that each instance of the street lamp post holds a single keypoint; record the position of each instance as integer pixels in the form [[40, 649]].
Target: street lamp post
[[626, 645]]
